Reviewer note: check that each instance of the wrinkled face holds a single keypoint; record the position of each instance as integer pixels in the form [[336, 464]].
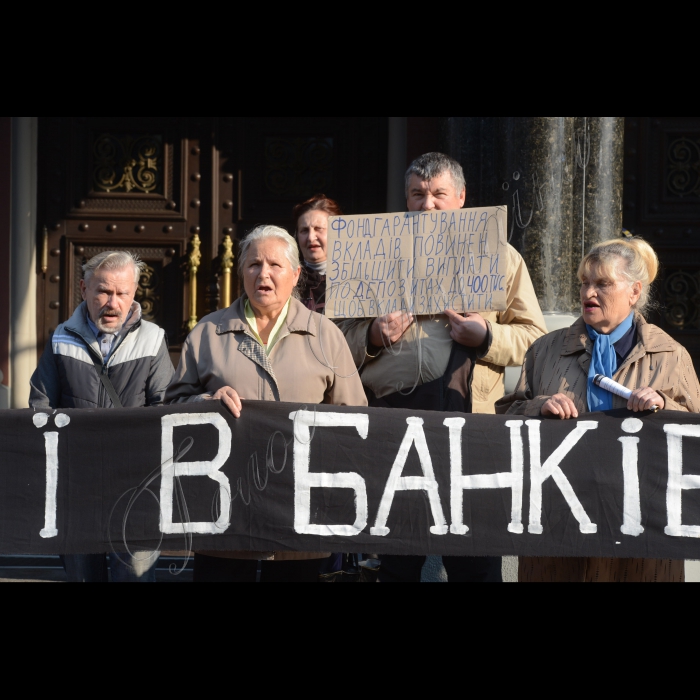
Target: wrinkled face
[[607, 301], [439, 193], [268, 276], [313, 236], [110, 296]]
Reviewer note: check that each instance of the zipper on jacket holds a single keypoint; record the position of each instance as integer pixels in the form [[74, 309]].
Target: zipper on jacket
[[105, 373], [135, 327], [101, 395]]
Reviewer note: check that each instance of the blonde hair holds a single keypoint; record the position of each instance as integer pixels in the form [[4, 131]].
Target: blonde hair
[[640, 264]]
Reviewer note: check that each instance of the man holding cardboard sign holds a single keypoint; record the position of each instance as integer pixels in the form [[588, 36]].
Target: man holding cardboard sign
[[448, 305]]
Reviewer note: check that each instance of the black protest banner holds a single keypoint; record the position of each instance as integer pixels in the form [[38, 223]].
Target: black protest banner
[[318, 479]]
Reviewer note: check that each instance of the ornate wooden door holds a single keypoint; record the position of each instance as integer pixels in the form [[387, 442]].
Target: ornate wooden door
[[152, 185], [119, 183], [662, 204]]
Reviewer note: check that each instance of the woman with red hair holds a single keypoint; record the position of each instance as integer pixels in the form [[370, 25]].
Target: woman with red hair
[[311, 226], [311, 221]]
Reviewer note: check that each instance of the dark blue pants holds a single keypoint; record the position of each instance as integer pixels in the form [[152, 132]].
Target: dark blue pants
[[214, 570], [459, 569]]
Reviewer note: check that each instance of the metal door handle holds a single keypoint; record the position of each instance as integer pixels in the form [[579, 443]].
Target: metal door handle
[[240, 195], [45, 252]]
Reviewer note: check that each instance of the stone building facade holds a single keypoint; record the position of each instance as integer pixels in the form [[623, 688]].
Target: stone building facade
[[178, 190]]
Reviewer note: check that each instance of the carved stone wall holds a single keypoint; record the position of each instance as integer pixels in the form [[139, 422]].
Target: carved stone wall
[[662, 204]]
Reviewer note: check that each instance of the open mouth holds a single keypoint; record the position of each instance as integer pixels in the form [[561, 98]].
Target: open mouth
[[591, 306], [264, 289]]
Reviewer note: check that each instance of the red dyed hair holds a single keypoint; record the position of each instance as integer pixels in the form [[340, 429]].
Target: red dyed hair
[[318, 202]]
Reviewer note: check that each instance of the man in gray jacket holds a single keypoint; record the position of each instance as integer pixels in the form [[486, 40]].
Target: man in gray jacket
[[106, 356]]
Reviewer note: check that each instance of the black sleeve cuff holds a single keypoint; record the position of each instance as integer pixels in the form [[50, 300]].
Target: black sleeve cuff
[[372, 351], [485, 347]]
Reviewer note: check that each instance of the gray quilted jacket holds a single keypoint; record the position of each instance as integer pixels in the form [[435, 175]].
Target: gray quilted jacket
[[139, 367]]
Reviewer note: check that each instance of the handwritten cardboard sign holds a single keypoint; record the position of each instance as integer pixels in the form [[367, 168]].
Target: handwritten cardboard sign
[[420, 262]]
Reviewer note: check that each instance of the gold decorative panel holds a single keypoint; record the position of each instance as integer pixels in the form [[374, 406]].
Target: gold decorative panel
[[149, 293], [128, 164]]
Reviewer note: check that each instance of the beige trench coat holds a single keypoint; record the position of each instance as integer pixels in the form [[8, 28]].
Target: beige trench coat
[[424, 352], [222, 351], [559, 364]]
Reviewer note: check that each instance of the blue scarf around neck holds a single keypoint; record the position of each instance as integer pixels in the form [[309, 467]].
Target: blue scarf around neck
[[605, 362]]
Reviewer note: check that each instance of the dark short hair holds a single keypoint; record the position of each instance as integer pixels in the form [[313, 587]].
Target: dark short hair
[[432, 165], [318, 202]]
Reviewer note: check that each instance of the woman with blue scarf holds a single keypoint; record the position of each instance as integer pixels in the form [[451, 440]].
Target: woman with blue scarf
[[614, 340]]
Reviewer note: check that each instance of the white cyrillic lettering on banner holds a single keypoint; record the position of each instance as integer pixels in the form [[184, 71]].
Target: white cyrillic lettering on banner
[[460, 483], [50, 531], [428, 483], [304, 480], [630, 464], [41, 420], [679, 482], [552, 470], [171, 470]]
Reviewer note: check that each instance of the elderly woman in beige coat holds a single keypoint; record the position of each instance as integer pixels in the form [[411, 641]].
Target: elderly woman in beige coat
[[614, 339], [267, 347]]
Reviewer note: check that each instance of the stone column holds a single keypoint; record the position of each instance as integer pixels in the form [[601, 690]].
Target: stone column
[[538, 183], [599, 182], [5, 267], [562, 180], [23, 353]]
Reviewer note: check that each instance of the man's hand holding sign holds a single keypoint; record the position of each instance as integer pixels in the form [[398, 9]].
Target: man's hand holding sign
[[388, 330], [438, 194], [470, 330]]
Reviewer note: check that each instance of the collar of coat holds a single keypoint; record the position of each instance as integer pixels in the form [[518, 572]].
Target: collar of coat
[[299, 320], [313, 278], [650, 339], [79, 326]]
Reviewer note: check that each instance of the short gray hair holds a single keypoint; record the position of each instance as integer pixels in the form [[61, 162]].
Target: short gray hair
[[433, 165], [113, 260], [263, 233]]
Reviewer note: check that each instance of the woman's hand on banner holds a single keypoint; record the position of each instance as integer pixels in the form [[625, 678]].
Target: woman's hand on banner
[[231, 400], [561, 406], [645, 400], [470, 330], [388, 330]]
